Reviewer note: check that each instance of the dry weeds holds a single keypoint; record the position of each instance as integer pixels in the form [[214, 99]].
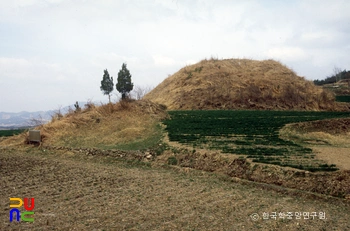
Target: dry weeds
[[241, 83], [73, 192], [98, 126], [328, 183]]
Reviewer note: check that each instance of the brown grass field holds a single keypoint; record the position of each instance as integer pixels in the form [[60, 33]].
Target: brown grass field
[[78, 192]]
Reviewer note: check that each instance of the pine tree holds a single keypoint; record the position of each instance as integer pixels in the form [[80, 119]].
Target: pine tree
[[124, 84], [107, 84]]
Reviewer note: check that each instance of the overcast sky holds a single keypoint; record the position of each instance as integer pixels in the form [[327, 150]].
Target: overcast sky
[[53, 52]]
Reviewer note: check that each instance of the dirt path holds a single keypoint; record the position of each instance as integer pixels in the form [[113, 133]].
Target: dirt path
[[334, 155], [75, 192]]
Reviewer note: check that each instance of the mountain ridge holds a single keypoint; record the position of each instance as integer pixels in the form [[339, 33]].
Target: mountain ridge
[[24, 119]]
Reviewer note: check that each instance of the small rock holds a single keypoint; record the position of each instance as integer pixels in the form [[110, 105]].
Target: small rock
[[149, 156]]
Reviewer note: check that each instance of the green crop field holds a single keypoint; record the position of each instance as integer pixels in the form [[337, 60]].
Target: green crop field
[[253, 134], [343, 98], [11, 132]]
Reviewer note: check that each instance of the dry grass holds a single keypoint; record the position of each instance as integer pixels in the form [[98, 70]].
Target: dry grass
[[341, 87], [73, 192], [329, 139], [107, 125], [101, 126], [335, 132], [241, 83], [327, 183]]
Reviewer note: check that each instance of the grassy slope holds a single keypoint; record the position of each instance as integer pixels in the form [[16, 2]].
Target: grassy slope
[[240, 83], [125, 125]]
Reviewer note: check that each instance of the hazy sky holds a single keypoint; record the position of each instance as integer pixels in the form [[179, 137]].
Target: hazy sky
[[53, 52]]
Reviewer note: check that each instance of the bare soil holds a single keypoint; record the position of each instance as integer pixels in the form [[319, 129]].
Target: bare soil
[[339, 126], [329, 139], [73, 191], [334, 155]]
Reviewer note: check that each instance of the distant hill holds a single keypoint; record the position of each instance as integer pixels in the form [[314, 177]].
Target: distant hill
[[241, 84], [343, 75], [13, 120]]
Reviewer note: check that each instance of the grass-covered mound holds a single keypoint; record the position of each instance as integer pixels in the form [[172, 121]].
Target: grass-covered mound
[[124, 125], [241, 84]]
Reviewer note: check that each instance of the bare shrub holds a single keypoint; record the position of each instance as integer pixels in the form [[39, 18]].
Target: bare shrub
[[124, 104], [70, 111], [57, 115], [139, 92], [89, 105], [36, 122], [213, 58]]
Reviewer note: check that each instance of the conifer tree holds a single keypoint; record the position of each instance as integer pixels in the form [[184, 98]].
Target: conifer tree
[[124, 84], [107, 84]]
